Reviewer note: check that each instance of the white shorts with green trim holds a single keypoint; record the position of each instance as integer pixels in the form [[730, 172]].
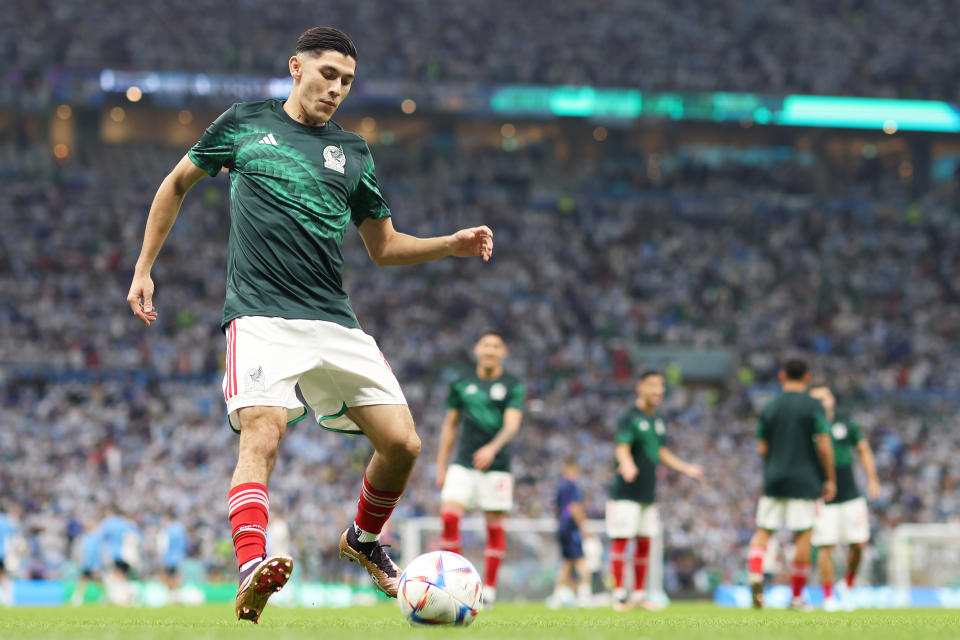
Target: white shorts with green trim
[[795, 514], [475, 489], [842, 523], [335, 368], [631, 519]]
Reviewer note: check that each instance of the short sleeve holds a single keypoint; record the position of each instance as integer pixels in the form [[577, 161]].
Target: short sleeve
[[761, 428], [518, 396], [454, 401], [367, 201], [820, 424], [575, 494], [215, 149], [625, 430]]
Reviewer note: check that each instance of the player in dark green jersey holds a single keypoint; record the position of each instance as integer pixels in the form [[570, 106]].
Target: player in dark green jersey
[[844, 519], [631, 510], [793, 439], [296, 180], [489, 404]]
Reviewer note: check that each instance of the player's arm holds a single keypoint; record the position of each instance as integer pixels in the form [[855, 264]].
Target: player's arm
[[870, 467], [825, 454], [626, 466], [163, 213], [762, 448], [579, 515], [448, 435], [483, 457], [388, 247], [670, 459]]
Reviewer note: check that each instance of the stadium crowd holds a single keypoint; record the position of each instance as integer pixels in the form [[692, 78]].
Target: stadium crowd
[[881, 48], [591, 257]]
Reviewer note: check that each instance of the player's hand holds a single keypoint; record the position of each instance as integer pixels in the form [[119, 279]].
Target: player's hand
[[140, 298], [829, 490], [629, 472], [441, 476], [475, 241], [695, 471], [483, 457], [873, 490]]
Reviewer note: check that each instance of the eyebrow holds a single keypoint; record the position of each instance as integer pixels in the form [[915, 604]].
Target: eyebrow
[[334, 69]]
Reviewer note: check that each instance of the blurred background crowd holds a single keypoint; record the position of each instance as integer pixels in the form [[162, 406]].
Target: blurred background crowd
[[747, 243]]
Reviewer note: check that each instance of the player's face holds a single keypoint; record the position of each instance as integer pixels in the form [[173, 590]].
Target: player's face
[[323, 81], [651, 390], [490, 351], [825, 396]]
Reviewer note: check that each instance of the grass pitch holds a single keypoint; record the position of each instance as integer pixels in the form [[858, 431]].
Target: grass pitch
[[529, 622]]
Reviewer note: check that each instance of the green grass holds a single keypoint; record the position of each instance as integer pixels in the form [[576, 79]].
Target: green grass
[[530, 622]]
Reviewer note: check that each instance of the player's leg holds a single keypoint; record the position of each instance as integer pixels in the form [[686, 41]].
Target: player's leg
[[562, 595], [249, 509], [396, 446], [584, 590], [825, 568], [458, 495], [826, 535], [622, 521], [854, 555], [649, 527], [755, 554], [801, 518], [493, 554]]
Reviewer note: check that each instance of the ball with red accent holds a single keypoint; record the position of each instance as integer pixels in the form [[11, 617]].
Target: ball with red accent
[[440, 588]]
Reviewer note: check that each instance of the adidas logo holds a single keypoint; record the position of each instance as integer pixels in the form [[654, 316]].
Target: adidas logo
[[268, 139]]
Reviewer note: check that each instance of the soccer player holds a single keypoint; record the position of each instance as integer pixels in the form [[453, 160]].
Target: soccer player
[[173, 550], [8, 531], [793, 440], [490, 402], [631, 510], [571, 531], [843, 520], [121, 536], [297, 179], [90, 561]]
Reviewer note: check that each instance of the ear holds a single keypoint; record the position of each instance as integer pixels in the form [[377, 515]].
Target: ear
[[296, 69]]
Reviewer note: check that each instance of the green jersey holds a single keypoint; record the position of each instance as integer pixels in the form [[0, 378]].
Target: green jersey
[[481, 404], [846, 435], [788, 424], [293, 188], [645, 434]]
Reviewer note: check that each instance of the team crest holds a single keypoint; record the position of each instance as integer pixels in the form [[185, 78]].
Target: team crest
[[644, 425], [334, 158], [659, 427], [498, 392], [471, 389], [839, 431], [254, 380]]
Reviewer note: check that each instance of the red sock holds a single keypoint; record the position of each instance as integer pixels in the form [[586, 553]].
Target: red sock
[[496, 549], [850, 578], [755, 560], [798, 578], [374, 507], [827, 589], [248, 507], [451, 530], [641, 557], [618, 554]]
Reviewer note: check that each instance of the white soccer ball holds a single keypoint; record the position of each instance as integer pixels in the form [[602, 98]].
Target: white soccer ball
[[440, 588]]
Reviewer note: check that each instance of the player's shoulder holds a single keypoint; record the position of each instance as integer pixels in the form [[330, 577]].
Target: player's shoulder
[[255, 108], [346, 137], [510, 379]]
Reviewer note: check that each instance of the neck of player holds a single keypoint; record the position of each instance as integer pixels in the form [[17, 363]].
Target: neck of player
[[646, 407], [295, 110], [489, 373], [794, 386]]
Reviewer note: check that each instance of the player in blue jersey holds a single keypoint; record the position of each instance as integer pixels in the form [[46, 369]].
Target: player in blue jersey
[[173, 548], [91, 560], [297, 181], [571, 532], [121, 539], [8, 532]]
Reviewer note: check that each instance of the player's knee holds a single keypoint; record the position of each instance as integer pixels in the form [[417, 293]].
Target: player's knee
[[404, 450]]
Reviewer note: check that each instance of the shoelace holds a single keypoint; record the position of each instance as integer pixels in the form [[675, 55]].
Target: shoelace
[[378, 554]]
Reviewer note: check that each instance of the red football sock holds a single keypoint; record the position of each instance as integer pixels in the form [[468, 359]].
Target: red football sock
[[641, 556], [618, 556], [374, 507], [850, 577], [249, 509], [451, 530], [496, 549], [798, 578], [827, 589], [755, 560]]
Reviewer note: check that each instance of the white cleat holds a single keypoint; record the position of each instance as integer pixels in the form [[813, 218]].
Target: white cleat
[[831, 604]]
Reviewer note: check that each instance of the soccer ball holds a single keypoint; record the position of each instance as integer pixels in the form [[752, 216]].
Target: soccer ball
[[440, 588]]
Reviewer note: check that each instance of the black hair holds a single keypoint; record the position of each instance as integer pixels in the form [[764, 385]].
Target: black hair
[[795, 369], [648, 373], [492, 332], [319, 39]]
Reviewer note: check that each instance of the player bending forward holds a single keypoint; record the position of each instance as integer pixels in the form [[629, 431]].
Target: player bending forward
[[793, 440], [297, 178], [843, 520], [490, 402], [631, 511]]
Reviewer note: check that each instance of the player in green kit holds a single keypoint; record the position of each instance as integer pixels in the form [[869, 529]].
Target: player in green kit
[[489, 403], [844, 519], [297, 179], [793, 440], [631, 510]]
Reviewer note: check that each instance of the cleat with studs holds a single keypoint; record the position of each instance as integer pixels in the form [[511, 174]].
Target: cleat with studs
[[263, 581]]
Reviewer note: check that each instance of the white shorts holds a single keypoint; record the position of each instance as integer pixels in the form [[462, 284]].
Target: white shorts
[[334, 366], [475, 489], [795, 514], [843, 523], [630, 519]]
